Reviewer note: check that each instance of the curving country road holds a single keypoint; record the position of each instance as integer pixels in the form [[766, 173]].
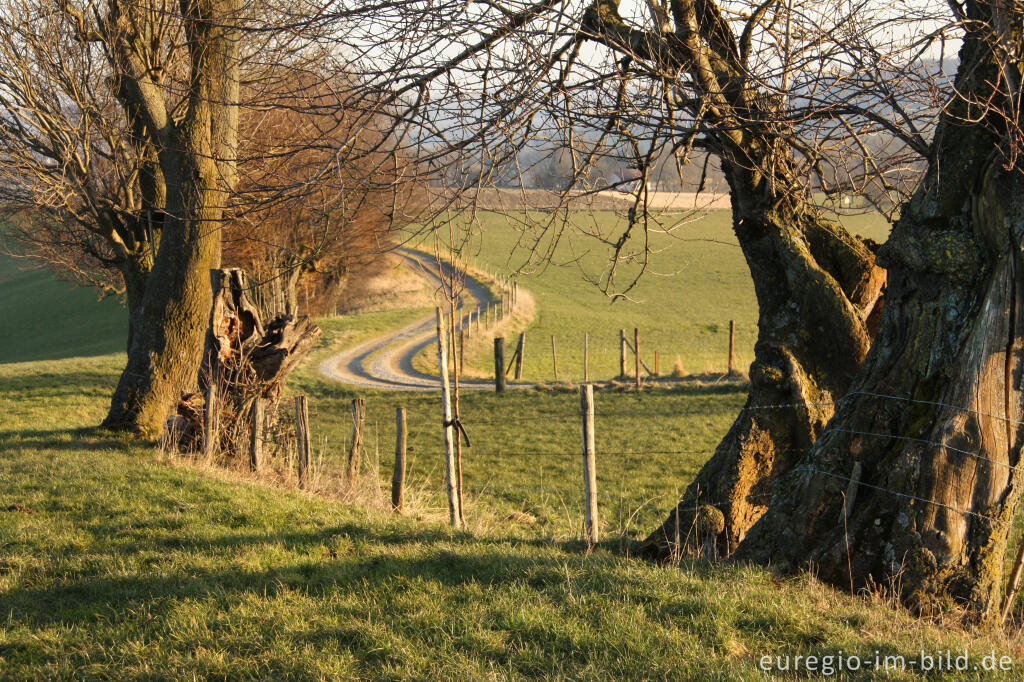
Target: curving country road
[[385, 362]]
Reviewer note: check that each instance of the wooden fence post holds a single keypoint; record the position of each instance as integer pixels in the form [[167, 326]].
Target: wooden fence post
[[586, 357], [636, 355], [519, 355], [554, 357], [355, 450], [622, 353], [451, 487], [499, 364], [211, 420], [256, 435], [732, 344], [398, 478], [302, 438], [589, 465], [462, 349]]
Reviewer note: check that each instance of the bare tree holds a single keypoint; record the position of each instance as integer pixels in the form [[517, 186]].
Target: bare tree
[[915, 481], [314, 237], [119, 125]]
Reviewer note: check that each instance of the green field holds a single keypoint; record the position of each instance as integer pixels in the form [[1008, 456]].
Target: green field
[[122, 565], [121, 562], [695, 283], [45, 318]]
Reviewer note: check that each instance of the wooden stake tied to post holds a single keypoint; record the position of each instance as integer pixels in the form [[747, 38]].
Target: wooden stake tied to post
[[398, 478], [462, 349], [451, 486]]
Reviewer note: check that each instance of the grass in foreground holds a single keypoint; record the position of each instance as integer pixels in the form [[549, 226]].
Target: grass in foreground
[[131, 568]]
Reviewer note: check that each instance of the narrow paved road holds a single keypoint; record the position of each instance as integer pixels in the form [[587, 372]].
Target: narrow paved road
[[386, 361]]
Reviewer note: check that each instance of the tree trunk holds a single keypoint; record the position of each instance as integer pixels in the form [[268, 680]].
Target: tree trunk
[[167, 341], [932, 424], [817, 287], [167, 344], [135, 273]]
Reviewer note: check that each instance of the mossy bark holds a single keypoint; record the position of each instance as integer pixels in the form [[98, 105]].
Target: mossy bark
[[817, 287], [933, 421]]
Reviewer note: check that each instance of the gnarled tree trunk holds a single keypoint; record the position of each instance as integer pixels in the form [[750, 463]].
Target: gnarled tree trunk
[[195, 157], [915, 480], [817, 287]]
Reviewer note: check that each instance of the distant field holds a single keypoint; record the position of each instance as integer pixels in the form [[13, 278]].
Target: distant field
[[508, 199], [45, 318], [696, 281]]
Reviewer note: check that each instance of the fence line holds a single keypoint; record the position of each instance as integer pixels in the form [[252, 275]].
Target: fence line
[[567, 456]]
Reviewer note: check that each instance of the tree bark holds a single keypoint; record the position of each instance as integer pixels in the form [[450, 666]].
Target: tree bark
[[817, 287], [136, 274], [934, 417], [167, 344]]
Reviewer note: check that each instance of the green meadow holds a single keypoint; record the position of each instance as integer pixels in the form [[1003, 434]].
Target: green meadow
[[45, 318], [119, 561], [694, 282]]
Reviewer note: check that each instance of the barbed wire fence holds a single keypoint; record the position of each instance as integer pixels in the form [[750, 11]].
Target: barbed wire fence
[[539, 482]]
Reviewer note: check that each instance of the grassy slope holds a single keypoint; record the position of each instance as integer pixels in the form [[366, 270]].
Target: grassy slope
[[696, 282], [45, 318], [132, 568]]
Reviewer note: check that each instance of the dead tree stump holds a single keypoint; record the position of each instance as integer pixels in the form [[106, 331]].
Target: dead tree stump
[[252, 359]]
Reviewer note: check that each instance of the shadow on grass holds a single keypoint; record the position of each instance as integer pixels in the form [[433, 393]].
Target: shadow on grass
[[323, 561], [357, 576], [71, 440], [34, 385]]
